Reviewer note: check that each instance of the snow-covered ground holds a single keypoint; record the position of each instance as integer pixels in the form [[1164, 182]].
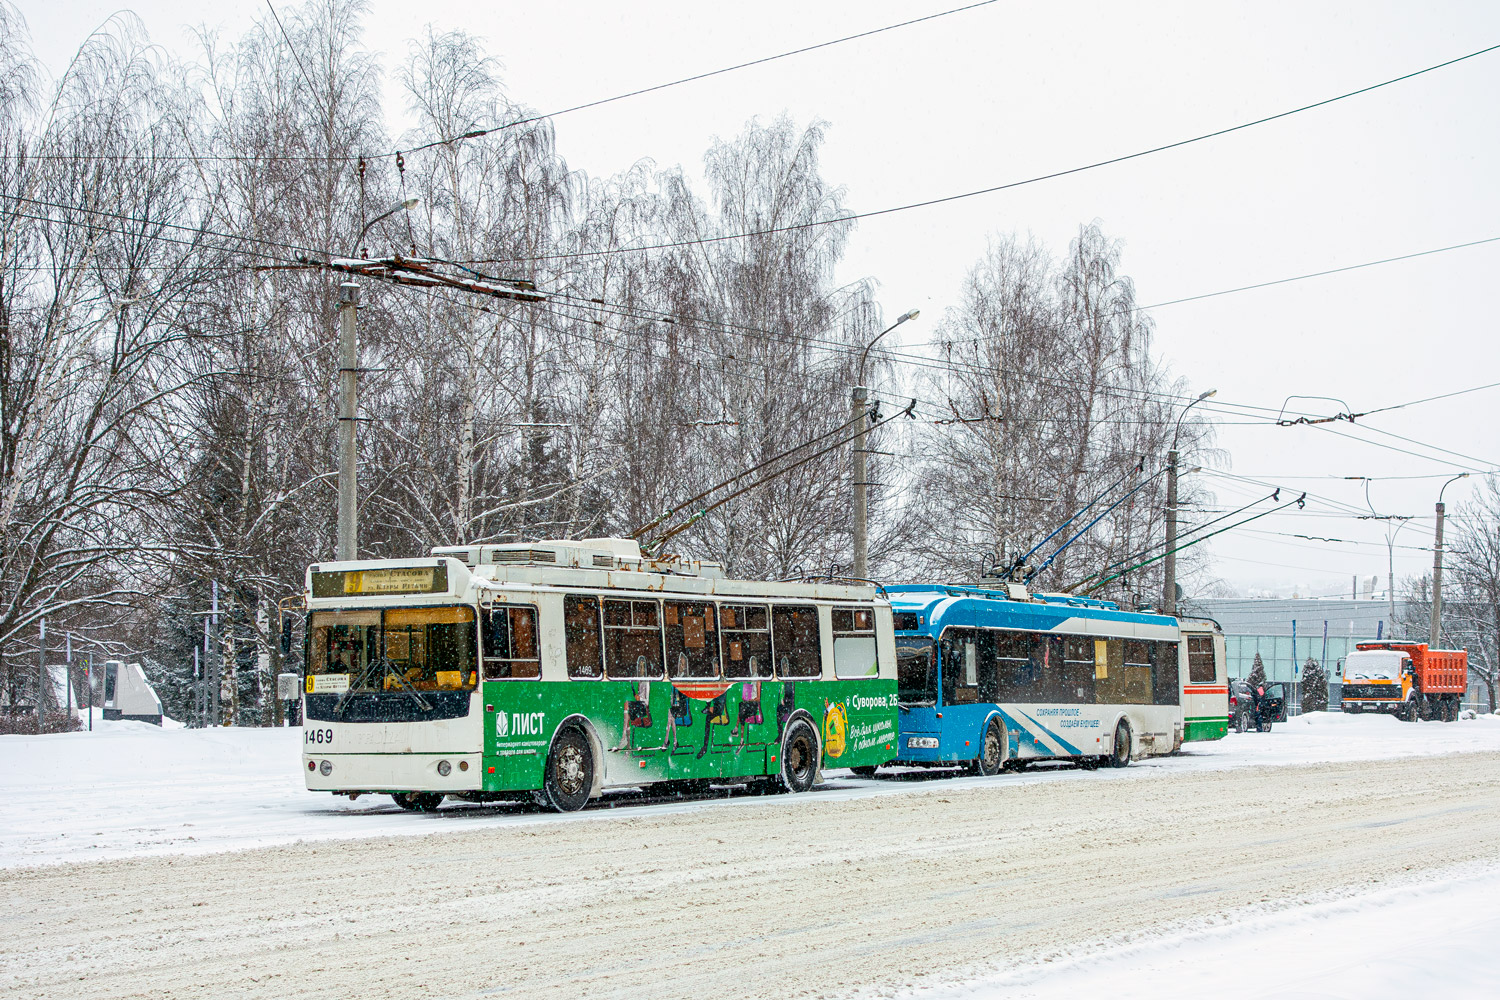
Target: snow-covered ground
[[129, 788], [1431, 938]]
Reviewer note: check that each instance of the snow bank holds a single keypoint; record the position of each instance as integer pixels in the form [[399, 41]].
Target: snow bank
[[1376, 946]]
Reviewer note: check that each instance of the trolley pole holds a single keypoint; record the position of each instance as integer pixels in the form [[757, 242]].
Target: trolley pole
[[858, 403], [348, 529]]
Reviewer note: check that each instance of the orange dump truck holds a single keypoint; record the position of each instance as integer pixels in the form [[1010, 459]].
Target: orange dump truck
[[1406, 679]]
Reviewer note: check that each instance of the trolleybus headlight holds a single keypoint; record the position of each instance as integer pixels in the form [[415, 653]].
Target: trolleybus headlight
[[325, 768], [463, 765], [312, 765], [444, 768]]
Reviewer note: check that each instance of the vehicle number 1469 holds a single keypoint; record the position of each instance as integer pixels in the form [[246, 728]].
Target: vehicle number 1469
[[318, 736]]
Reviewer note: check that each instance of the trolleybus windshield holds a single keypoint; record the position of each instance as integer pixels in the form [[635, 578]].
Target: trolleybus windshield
[[391, 650], [916, 670]]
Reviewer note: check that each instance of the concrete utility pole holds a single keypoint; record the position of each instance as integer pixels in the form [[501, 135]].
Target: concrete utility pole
[[858, 401], [1169, 563], [859, 405], [1435, 634], [348, 541]]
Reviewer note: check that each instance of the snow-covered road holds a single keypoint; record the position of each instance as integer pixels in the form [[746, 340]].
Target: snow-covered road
[[885, 886], [132, 789]]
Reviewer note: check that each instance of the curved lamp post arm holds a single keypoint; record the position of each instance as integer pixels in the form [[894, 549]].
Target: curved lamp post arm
[[404, 206], [865, 354]]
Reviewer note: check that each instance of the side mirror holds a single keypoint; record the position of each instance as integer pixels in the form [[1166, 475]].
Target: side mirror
[[286, 635]]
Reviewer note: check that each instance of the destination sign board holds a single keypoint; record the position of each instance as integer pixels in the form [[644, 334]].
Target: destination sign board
[[388, 580]]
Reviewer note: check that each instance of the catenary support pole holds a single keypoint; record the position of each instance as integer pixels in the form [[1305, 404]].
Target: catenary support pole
[[348, 521], [1435, 633], [858, 402], [1169, 564]]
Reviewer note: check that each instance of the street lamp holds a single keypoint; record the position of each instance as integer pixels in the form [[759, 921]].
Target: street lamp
[[859, 404], [1434, 636], [1169, 563], [406, 206]]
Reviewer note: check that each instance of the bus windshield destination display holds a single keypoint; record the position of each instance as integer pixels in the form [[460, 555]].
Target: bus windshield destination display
[[376, 582]]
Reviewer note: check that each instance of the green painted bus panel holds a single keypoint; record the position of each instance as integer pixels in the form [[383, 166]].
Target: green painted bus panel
[[660, 730], [1210, 728]]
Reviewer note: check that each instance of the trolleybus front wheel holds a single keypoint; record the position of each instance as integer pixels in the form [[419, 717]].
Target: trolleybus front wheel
[[799, 756], [1120, 756], [422, 802], [570, 772], [991, 752]]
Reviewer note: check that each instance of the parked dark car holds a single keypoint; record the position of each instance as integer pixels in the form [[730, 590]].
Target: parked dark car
[[1259, 708]]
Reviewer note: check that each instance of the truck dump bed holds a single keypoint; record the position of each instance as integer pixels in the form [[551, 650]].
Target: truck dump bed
[[1441, 671], [1437, 671]]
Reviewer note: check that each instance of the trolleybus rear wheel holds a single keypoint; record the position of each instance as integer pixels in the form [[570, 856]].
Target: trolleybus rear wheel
[[865, 770], [991, 752], [570, 772], [799, 756], [1120, 756], [422, 802]]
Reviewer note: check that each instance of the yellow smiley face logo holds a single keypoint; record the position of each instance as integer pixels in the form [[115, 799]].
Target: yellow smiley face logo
[[835, 727]]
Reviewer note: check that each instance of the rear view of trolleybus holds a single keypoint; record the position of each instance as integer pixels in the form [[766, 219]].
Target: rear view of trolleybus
[[997, 679], [564, 668]]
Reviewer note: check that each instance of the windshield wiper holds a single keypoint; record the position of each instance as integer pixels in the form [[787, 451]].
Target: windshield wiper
[[405, 685], [343, 702]]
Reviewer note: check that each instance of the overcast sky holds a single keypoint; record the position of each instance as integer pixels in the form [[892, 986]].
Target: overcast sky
[[1012, 90]]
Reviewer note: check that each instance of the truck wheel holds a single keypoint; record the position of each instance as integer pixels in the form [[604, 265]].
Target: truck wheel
[[799, 756], [1120, 757], [992, 752], [422, 802], [570, 772]]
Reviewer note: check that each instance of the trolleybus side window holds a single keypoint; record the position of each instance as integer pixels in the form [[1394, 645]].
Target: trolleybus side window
[[1047, 659], [796, 640], [1200, 650], [1166, 683], [1078, 669], [510, 649], [747, 640], [581, 629], [692, 639], [632, 639], [968, 656], [854, 643], [1018, 659], [1128, 677]]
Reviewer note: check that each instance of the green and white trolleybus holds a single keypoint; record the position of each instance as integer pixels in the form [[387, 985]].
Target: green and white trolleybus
[[565, 668]]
